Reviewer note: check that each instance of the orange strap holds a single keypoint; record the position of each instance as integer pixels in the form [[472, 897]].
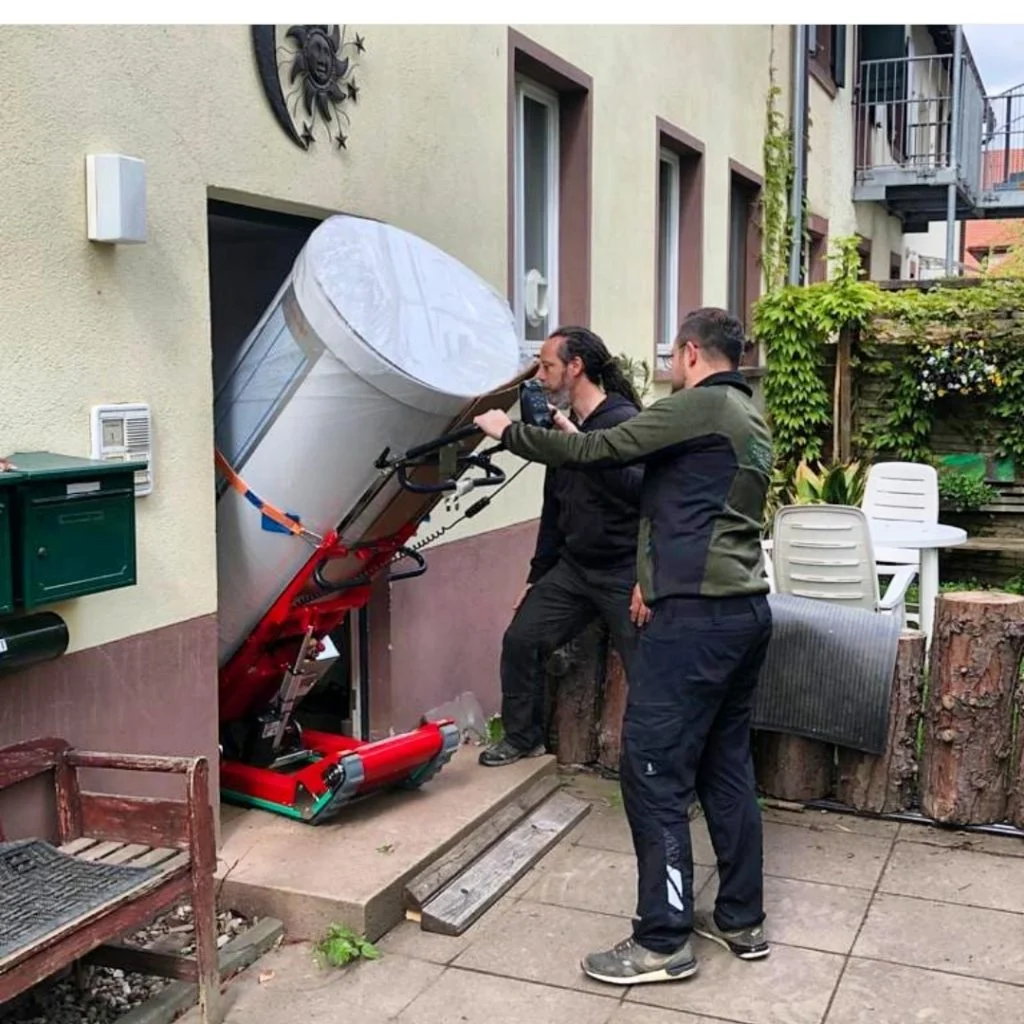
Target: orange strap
[[271, 512]]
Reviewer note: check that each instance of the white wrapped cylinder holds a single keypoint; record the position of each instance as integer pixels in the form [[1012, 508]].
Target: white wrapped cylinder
[[376, 339]]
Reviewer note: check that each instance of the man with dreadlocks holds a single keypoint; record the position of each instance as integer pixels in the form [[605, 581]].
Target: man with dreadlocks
[[584, 565]]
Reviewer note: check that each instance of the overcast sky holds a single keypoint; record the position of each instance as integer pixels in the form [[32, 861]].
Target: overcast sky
[[999, 53]]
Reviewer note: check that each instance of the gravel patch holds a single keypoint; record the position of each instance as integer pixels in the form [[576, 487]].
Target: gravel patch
[[105, 994]]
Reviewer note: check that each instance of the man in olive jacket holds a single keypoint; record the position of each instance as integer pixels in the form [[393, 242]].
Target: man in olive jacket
[[707, 459]]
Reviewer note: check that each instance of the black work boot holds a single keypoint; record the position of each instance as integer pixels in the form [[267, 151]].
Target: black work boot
[[504, 752]]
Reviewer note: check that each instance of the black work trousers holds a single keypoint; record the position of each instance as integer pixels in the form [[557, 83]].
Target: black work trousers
[[560, 604], [686, 733]]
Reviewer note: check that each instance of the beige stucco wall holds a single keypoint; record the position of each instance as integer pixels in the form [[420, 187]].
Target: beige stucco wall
[[84, 324], [830, 165], [710, 81]]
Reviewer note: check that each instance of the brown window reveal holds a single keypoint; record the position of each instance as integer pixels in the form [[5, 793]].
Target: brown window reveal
[[572, 88], [864, 252], [817, 250], [744, 247], [679, 235]]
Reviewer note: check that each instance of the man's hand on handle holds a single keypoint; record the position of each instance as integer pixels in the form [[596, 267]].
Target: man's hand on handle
[[493, 423], [639, 613]]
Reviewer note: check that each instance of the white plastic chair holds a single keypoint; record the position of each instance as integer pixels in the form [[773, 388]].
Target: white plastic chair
[[769, 567], [824, 553], [906, 492]]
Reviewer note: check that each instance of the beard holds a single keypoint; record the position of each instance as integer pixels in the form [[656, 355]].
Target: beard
[[560, 399]]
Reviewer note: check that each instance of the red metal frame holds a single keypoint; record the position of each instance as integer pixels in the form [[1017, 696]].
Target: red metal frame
[[252, 677]]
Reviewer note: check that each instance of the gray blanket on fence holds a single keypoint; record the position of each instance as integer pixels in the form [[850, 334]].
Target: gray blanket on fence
[[828, 673]]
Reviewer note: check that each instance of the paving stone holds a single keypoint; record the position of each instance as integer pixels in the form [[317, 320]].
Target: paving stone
[[542, 943], [956, 876], [824, 917], [979, 842], [876, 993], [792, 986], [828, 856], [466, 997], [944, 937], [599, 880]]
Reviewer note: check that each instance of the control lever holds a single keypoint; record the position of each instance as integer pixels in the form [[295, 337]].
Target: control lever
[[533, 410]]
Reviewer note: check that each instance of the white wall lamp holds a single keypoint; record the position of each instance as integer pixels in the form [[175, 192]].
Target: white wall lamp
[[115, 193]]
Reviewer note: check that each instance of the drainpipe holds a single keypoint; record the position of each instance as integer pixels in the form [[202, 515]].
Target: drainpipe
[[954, 148], [799, 122]]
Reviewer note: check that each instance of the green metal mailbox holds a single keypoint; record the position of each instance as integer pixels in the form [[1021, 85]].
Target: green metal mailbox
[[72, 527], [7, 481]]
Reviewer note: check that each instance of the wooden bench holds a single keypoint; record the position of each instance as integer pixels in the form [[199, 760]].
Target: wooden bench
[[173, 838]]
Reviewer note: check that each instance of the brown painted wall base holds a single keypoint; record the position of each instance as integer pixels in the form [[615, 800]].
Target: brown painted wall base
[[154, 693], [446, 627]]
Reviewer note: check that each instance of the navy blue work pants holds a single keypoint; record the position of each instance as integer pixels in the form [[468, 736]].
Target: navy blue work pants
[[686, 734]]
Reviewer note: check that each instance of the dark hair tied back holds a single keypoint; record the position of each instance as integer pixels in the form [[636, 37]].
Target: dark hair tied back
[[599, 365]]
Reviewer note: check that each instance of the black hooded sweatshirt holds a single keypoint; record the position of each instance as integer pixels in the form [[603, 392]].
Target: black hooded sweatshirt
[[591, 516]]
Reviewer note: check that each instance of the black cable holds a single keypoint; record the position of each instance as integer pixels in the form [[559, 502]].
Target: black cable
[[475, 509]]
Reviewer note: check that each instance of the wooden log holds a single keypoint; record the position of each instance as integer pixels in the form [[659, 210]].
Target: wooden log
[[886, 783], [613, 707], [578, 669], [434, 878], [791, 767], [975, 664], [485, 881]]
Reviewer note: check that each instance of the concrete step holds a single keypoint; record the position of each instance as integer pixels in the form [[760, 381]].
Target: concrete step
[[352, 871]]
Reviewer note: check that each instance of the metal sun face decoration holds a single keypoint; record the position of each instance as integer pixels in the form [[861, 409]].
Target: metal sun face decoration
[[320, 76]]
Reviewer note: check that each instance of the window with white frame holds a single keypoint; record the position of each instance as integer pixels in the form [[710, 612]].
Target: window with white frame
[[536, 212], [669, 199]]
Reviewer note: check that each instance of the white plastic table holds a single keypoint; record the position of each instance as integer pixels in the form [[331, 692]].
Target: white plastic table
[[928, 539]]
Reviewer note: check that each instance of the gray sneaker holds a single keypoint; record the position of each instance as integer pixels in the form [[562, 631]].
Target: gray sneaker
[[503, 752], [746, 943], [629, 963]]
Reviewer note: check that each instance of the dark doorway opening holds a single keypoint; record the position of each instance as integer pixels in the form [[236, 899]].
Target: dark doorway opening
[[251, 252]]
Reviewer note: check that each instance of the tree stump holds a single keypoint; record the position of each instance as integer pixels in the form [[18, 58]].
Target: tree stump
[[613, 708], [791, 767], [975, 664], [575, 676], [884, 784]]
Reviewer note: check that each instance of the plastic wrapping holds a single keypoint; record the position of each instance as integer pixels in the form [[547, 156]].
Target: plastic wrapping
[[376, 339]]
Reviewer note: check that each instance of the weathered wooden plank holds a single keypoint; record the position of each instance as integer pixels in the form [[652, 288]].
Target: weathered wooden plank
[[126, 853], [152, 858], [131, 762], [100, 850], [467, 896], [23, 761], [145, 961], [76, 846], [135, 819], [430, 881], [239, 953]]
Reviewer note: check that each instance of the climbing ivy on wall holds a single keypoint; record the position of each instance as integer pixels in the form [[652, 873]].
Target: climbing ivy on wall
[[795, 324], [957, 353], [777, 156]]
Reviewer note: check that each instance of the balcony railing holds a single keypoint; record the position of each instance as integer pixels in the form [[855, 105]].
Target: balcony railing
[[904, 120], [904, 139], [1003, 144]]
